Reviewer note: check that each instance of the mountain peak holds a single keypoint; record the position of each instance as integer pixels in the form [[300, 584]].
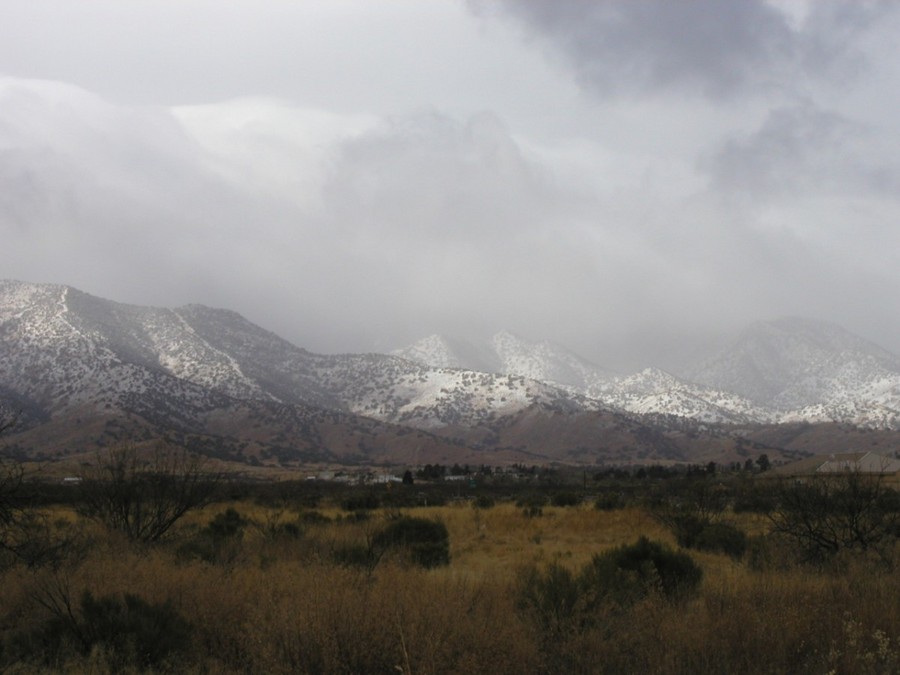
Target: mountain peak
[[792, 362]]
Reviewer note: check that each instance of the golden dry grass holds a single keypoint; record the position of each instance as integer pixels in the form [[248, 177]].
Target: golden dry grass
[[281, 605]]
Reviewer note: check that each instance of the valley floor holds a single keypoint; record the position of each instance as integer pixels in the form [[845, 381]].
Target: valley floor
[[272, 594]]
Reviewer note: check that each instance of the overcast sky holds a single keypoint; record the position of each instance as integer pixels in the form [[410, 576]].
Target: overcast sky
[[618, 176]]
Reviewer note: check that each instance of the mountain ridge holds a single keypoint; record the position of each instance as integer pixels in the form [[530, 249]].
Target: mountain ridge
[[211, 378]]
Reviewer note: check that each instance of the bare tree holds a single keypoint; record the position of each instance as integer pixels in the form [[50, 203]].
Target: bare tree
[[8, 423], [11, 497], [834, 512], [25, 533], [144, 495], [691, 506]]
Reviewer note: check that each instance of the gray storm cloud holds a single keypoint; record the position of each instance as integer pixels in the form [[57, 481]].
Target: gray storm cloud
[[624, 179], [716, 49]]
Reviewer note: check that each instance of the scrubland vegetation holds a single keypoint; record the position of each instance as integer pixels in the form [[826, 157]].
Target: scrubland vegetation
[[620, 574]]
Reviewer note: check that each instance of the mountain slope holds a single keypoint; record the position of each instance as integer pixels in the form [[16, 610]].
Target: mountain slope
[[656, 392], [808, 370], [65, 353], [786, 370], [651, 391], [85, 371], [509, 354]]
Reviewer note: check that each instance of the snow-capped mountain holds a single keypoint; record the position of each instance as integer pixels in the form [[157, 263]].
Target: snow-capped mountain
[[509, 354], [656, 392], [439, 351], [801, 369], [62, 349], [651, 391], [786, 370], [86, 368]]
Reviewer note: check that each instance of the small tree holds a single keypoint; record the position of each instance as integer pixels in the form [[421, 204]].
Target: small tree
[[144, 496]]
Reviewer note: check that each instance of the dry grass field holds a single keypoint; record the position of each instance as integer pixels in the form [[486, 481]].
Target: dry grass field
[[273, 594]]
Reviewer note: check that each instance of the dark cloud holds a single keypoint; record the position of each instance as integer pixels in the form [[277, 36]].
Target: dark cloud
[[708, 47], [801, 151], [795, 149]]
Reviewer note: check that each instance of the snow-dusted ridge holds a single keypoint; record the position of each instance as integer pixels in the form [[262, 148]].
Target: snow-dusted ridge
[[787, 370], [63, 349]]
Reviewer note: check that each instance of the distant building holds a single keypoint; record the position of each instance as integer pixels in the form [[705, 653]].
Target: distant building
[[867, 463], [382, 478]]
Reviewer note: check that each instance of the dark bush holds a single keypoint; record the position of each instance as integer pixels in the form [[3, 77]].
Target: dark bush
[[609, 501], [653, 565], [355, 517], [361, 502], [722, 538], [483, 502], [849, 511], [563, 605], [565, 499], [689, 506], [313, 518], [553, 599], [227, 525], [219, 541], [287, 530], [531, 500], [135, 632], [755, 498], [355, 555], [532, 511], [532, 505], [426, 542], [687, 528], [771, 552], [147, 633]]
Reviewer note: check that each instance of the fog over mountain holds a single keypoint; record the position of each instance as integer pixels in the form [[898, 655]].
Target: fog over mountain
[[633, 180]]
